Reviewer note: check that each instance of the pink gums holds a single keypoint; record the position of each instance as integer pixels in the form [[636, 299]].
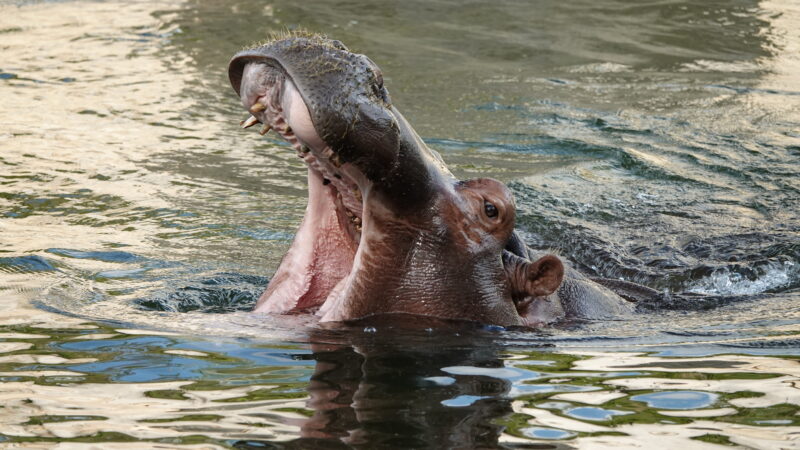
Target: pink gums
[[322, 254]]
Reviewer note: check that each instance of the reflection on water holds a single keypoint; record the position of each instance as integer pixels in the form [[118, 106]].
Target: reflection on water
[[100, 384], [651, 142], [677, 399]]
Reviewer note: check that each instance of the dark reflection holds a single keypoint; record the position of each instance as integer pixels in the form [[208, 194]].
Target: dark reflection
[[381, 392], [383, 396]]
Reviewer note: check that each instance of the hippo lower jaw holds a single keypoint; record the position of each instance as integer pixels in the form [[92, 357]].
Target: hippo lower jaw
[[315, 270]]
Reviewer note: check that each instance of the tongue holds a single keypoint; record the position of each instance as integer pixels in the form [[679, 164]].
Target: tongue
[[320, 256]]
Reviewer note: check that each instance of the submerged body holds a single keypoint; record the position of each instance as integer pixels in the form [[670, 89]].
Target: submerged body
[[388, 229]]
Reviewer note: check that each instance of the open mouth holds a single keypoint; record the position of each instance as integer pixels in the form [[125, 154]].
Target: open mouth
[[387, 229], [316, 268]]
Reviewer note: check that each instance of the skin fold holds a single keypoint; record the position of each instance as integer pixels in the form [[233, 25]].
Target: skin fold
[[388, 229]]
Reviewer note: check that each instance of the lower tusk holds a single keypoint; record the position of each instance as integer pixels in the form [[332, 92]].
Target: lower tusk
[[249, 122], [264, 130]]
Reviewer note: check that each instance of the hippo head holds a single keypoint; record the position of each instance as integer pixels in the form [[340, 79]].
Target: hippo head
[[388, 229]]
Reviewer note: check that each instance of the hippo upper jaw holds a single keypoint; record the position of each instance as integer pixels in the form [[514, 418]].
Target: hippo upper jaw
[[350, 111]]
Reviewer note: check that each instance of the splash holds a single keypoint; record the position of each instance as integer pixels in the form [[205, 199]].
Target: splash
[[769, 277]]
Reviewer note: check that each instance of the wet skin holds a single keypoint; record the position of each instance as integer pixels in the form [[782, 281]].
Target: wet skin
[[388, 229]]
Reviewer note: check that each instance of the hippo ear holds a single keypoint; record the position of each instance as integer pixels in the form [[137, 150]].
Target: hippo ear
[[543, 276]]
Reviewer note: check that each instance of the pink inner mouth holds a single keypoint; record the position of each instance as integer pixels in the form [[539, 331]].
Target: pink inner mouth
[[317, 266]]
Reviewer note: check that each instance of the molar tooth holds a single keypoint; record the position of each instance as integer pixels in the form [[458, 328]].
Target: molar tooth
[[264, 130], [257, 108], [249, 122]]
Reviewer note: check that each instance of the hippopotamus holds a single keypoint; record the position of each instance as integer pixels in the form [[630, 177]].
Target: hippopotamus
[[388, 229]]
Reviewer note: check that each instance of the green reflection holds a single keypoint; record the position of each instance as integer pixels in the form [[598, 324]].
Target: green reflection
[[715, 439]]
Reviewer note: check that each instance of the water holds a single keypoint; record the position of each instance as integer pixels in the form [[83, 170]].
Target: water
[[653, 142]]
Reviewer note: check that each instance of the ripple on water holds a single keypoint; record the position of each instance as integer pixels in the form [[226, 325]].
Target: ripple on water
[[677, 399], [25, 264], [114, 256], [462, 400], [594, 413], [590, 413], [547, 433]]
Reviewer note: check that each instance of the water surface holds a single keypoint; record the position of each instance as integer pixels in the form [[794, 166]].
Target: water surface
[[657, 143]]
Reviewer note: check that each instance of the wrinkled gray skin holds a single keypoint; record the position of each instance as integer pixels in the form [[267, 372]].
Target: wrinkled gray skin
[[426, 247]]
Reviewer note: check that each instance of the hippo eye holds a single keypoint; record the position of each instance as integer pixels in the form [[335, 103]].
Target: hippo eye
[[490, 209]]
